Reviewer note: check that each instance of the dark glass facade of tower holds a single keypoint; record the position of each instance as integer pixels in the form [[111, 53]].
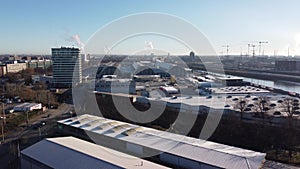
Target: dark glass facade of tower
[[66, 66]]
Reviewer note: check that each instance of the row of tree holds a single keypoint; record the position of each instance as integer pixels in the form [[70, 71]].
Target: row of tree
[[262, 105], [37, 93]]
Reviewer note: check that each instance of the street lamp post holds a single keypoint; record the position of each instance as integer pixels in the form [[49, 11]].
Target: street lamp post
[[2, 128], [27, 121], [42, 124], [3, 112], [18, 149], [3, 118]]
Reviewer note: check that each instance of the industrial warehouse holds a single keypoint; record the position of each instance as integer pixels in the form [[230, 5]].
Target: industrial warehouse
[[78, 154], [170, 149]]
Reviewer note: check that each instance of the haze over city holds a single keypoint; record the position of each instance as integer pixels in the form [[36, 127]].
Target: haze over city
[[31, 27]]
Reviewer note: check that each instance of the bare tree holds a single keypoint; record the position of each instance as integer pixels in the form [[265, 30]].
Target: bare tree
[[262, 106], [241, 104], [290, 106]]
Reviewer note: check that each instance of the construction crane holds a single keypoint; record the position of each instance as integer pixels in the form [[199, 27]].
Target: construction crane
[[249, 45], [227, 49], [253, 49], [260, 44]]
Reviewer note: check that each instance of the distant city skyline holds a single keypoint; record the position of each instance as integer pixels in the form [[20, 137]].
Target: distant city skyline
[[34, 27]]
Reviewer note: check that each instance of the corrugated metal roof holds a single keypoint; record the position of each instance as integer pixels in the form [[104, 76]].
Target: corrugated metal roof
[[215, 154], [213, 102], [70, 152]]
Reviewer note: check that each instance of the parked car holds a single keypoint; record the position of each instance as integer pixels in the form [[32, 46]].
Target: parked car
[[277, 113], [53, 106], [209, 97], [250, 105], [7, 101], [247, 109], [235, 99]]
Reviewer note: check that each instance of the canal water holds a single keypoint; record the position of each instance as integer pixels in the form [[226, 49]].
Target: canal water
[[283, 85]]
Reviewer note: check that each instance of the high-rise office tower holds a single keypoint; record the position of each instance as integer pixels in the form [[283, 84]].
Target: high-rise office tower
[[66, 66]]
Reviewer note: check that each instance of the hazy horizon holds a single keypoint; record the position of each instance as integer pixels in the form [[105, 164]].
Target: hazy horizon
[[33, 27]]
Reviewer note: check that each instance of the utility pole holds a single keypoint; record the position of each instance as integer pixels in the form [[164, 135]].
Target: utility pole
[[27, 121], [3, 112], [3, 122]]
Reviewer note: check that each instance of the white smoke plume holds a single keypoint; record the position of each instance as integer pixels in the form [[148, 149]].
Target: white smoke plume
[[80, 44]]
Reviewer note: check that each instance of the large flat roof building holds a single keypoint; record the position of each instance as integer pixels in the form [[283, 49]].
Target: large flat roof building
[[66, 66], [173, 149], [287, 65], [112, 85], [73, 153]]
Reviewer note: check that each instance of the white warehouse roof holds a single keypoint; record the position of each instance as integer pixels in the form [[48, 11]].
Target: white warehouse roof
[[194, 102], [70, 152], [206, 152]]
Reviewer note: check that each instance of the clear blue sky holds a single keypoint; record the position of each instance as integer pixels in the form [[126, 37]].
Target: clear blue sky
[[34, 26]]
